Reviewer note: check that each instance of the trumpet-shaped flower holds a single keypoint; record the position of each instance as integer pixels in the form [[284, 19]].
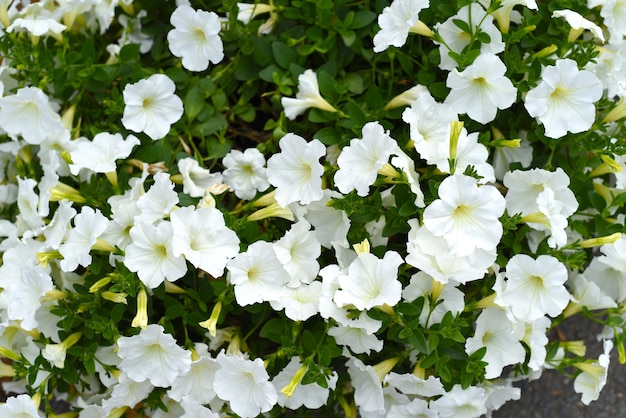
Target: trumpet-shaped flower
[[153, 355], [456, 39], [331, 225], [608, 270], [245, 385], [89, 225], [308, 96], [466, 215], [360, 161], [501, 338], [461, 403], [614, 14], [563, 101], [311, 395], [158, 201], [195, 37], [32, 105], [534, 288], [300, 303], [257, 274], [151, 106], [298, 251], [481, 89], [23, 295], [195, 178], [245, 172], [593, 375], [296, 171], [201, 235], [197, 383], [100, 154], [151, 255], [397, 21], [371, 281], [579, 23], [429, 125], [469, 152], [20, 406]]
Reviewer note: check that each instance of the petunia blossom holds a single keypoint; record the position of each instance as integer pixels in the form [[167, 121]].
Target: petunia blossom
[[296, 171], [563, 101], [153, 355], [195, 37], [481, 89], [308, 96], [151, 106], [466, 215]]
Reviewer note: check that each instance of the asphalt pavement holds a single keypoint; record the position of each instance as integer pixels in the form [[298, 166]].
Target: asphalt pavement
[[553, 396]]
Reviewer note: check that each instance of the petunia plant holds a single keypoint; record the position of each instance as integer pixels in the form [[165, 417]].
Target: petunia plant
[[337, 208]]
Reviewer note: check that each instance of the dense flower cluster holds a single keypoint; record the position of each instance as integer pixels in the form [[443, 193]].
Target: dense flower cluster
[[215, 208]]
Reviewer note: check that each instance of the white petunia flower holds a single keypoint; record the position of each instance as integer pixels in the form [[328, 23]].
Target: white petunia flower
[[153, 355], [563, 100], [449, 299], [298, 251], [245, 172], [371, 282], [503, 13], [201, 235], [158, 201], [461, 403], [245, 385], [578, 24], [300, 303], [89, 225], [368, 390], [614, 14], [32, 105], [257, 274], [465, 215], [151, 106], [197, 383], [360, 161], [410, 384], [23, 295], [128, 392], [481, 89], [195, 37], [296, 171], [20, 406], [311, 396], [593, 375], [195, 178], [608, 270], [397, 21], [534, 288], [151, 255], [100, 154], [455, 39], [430, 253], [429, 126], [502, 339], [308, 96]]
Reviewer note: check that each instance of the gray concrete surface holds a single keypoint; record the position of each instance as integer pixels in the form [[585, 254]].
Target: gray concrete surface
[[553, 396]]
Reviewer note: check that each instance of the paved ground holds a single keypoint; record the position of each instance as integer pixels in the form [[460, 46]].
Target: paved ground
[[553, 395]]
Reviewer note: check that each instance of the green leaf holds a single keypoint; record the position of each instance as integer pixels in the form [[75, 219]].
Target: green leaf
[[461, 24], [129, 53], [193, 103], [309, 342], [273, 330], [283, 55], [483, 37], [419, 341], [363, 18]]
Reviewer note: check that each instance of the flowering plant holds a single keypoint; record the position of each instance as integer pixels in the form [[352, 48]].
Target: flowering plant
[[213, 208]]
